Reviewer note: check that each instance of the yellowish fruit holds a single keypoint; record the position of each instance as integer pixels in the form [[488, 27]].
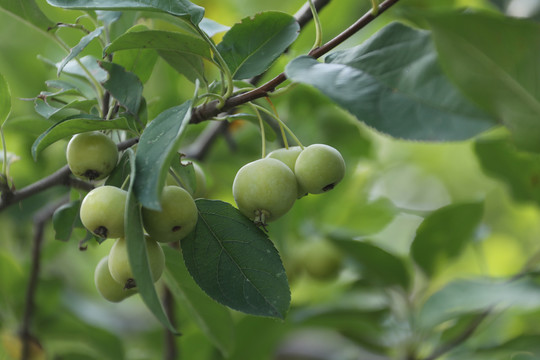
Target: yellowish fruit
[[91, 155], [109, 288], [102, 211], [319, 168]]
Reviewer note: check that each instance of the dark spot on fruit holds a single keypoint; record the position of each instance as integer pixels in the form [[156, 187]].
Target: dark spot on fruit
[[91, 174], [328, 187], [130, 284], [101, 231], [176, 228]]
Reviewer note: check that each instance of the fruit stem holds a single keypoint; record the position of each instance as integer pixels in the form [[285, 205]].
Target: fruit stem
[[261, 125], [281, 124], [374, 8], [317, 22], [283, 136]]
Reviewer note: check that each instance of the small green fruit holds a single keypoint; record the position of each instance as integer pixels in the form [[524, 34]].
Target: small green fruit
[[320, 259], [288, 157], [120, 267], [177, 218], [109, 288], [102, 211], [91, 155], [319, 168], [264, 190]]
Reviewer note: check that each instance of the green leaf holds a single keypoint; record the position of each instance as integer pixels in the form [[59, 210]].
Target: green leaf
[[181, 8], [235, 262], [5, 100], [90, 63], [251, 46], [65, 218], [75, 51], [70, 109], [444, 233], [519, 170], [74, 126], [162, 40], [157, 145], [212, 318], [476, 295], [393, 83], [483, 53], [211, 27], [523, 344], [120, 173], [185, 172], [191, 66], [124, 86], [138, 61], [137, 255], [28, 11], [377, 266]]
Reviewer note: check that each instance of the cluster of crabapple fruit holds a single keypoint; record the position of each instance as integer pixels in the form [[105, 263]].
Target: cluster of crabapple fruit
[[93, 156], [267, 188]]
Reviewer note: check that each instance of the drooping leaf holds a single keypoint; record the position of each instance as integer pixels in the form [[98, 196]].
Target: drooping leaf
[[77, 49], [211, 27], [138, 61], [108, 17], [181, 8], [157, 145], [393, 83], [251, 46], [124, 86], [377, 266], [137, 253], [477, 295], [519, 170], [70, 109], [212, 318], [444, 233], [90, 63], [484, 55], [191, 66], [74, 126], [161, 40], [235, 262], [28, 11], [66, 218], [5, 100], [184, 172]]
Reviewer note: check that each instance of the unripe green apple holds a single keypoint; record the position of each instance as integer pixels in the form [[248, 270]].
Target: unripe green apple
[[177, 218], [102, 211], [120, 267], [109, 288], [288, 157], [264, 190], [319, 168], [91, 155], [321, 259], [200, 182]]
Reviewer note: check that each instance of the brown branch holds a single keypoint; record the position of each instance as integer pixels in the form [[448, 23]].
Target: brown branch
[[61, 177], [171, 350], [207, 111], [40, 220]]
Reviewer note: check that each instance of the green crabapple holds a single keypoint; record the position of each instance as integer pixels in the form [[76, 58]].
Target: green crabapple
[[288, 156], [109, 288], [91, 155], [319, 168], [102, 211]]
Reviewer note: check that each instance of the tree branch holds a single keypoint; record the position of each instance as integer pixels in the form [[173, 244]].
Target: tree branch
[[61, 177], [207, 111]]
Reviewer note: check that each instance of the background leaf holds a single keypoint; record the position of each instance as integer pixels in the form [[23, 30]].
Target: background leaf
[[158, 143], [124, 86], [476, 295], [77, 49], [251, 46], [181, 8], [484, 55], [212, 318], [5, 100], [74, 126], [444, 233], [137, 255], [393, 82], [235, 263], [65, 218], [28, 11]]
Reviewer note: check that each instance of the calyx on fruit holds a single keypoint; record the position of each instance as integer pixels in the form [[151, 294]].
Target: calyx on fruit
[[91, 155], [177, 218], [120, 267], [288, 156], [319, 168], [264, 190], [102, 211], [109, 288]]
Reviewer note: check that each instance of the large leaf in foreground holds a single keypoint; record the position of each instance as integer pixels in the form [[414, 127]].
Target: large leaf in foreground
[[477, 295], [181, 8], [124, 86], [157, 145], [137, 254], [251, 46], [494, 60], [393, 82], [213, 319], [28, 11], [235, 262]]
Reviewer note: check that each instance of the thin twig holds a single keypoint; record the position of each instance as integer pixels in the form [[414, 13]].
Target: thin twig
[[40, 220], [171, 350], [210, 110]]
